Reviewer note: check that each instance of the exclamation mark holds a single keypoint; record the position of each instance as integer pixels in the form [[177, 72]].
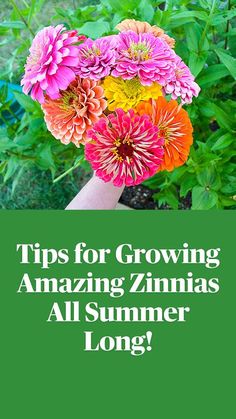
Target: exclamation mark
[[149, 338]]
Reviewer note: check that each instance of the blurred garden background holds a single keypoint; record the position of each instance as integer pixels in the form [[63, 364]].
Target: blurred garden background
[[37, 172]]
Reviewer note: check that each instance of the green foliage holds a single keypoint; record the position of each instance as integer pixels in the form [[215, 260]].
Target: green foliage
[[27, 142], [205, 33], [209, 177]]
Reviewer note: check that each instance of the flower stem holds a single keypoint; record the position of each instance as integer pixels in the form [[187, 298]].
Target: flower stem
[[207, 25], [13, 113], [227, 27], [22, 17], [68, 171], [20, 156], [34, 17], [4, 120]]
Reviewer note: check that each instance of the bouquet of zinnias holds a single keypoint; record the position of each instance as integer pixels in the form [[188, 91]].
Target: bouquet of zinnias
[[109, 94]]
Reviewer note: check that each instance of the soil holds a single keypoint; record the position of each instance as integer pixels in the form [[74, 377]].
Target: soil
[[138, 197], [141, 197]]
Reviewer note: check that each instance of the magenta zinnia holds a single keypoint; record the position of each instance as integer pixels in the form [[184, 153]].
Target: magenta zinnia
[[146, 56], [79, 107], [182, 85], [125, 148], [51, 64], [96, 58]]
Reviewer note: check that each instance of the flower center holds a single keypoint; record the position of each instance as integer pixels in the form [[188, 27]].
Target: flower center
[[91, 52], [164, 133], [140, 51], [70, 100], [123, 149], [132, 87]]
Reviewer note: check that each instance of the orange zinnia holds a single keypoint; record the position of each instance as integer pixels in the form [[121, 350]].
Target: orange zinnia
[[174, 125], [77, 109]]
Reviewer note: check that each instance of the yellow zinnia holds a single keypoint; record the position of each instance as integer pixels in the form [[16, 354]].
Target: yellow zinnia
[[127, 94]]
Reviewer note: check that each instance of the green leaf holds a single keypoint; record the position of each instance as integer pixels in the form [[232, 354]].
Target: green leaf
[[223, 142], [203, 199], [205, 107], [228, 61], [192, 37], [25, 140], [229, 188], [227, 201], [224, 120], [5, 142], [146, 10], [222, 17], [209, 178], [175, 23], [157, 17], [169, 196], [155, 181], [212, 74], [61, 12], [193, 33], [187, 184], [197, 61], [12, 166], [211, 140], [198, 48], [33, 134], [32, 10], [45, 158], [176, 175], [18, 176], [181, 18], [95, 29], [3, 165], [230, 168], [124, 5], [231, 33], [27, 103], [205, 4], [13, 25]]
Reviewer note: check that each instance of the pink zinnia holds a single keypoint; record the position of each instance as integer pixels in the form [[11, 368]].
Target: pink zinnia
[[146, 56], [126, 148], [96, 58], [51, 64], [183, 84]]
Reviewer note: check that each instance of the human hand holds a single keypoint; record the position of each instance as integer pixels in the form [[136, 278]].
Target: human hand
[[96, 195]]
